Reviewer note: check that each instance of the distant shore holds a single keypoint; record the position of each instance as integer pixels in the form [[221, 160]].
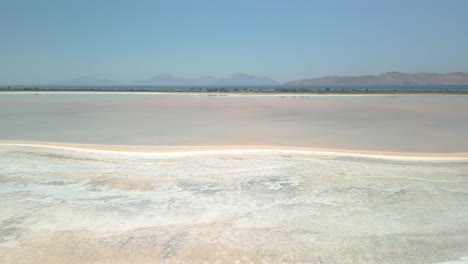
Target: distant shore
[[231, 149], [334, 90]]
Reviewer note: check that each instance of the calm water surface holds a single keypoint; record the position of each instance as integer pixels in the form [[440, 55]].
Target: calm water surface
[[423, 123]]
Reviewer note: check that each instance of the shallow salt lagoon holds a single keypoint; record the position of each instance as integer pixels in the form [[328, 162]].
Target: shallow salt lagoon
[[219, 204], [399, 123], [63, 205]]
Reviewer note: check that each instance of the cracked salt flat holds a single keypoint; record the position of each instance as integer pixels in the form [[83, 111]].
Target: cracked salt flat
[[72, 206]]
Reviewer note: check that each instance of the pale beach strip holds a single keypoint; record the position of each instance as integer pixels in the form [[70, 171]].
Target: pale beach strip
[[144, 150], [208, 94]]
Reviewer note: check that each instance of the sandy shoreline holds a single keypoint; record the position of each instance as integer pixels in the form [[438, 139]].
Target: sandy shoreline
[[228, 148]]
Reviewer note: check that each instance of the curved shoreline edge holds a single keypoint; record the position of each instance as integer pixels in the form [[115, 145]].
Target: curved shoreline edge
[[144, 150]]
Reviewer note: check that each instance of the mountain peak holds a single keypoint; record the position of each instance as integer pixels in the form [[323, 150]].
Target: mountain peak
[[393, 73], [241, 75], [87, 80], [235, 79], [245, 79], [388, 78]]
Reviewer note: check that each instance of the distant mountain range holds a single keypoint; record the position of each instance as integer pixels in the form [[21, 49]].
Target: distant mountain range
[[87, 80], [235, 79], [167, 79], [389, 78]]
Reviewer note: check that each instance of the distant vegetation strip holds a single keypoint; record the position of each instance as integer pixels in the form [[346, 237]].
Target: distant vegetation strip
[[246, 90]]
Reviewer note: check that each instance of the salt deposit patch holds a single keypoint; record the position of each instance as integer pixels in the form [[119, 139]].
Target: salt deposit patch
[[60, 205]]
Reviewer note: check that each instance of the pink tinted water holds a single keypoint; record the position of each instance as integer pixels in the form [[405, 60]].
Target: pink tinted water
[[415, 123]]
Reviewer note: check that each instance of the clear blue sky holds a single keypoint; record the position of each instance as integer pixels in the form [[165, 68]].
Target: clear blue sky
[[51, 40]]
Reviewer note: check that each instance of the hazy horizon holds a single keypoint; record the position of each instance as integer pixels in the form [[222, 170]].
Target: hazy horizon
[[242, 79], [49, 41]]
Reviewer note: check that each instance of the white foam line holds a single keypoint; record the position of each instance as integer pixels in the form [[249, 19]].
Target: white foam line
[[186, 153]]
